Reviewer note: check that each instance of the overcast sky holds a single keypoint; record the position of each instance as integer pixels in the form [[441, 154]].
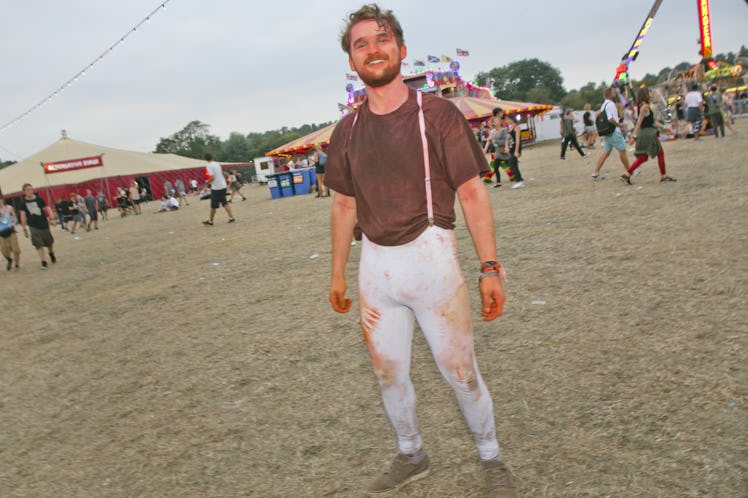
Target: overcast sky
[[252, 66]]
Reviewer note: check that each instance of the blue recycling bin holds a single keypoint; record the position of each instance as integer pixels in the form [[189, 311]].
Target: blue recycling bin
[[274, 186], [300, 182], [280, 185]]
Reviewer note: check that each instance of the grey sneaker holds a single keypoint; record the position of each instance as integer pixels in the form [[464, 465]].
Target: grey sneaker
[[498, 479], [403, 470]]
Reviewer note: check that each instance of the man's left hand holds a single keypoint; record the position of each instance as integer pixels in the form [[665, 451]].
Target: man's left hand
[[492, 297]]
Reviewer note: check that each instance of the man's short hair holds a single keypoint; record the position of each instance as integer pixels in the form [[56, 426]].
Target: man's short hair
[[208, 157], [497, 110], [371, 12]]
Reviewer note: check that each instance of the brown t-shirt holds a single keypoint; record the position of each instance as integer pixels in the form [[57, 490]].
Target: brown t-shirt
[[380, 163]]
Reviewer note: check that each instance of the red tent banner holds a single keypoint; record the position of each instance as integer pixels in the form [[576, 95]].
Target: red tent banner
[[71, 164]]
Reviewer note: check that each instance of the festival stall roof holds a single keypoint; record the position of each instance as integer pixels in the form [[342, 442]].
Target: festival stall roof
[[75, 155], [304, 144], [473, 108]]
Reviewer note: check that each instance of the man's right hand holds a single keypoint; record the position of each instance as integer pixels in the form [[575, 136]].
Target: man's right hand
[[339, 302]]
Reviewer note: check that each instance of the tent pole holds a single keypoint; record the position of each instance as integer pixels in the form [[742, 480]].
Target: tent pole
[[50, 201]]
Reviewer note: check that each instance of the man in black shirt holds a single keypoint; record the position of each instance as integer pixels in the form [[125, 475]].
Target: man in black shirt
[[35, 216]]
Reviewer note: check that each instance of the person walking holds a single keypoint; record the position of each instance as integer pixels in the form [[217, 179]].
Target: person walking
[[102, 205], [590, 132], [64, 214], [569, 134], [515, 149], [93, 210], [35, 219], [217, 181], [134, 197], [320, 166], [235, 185], [647, 142], [181, 191], [694, 103], [396, 166], [78, 211], [498, 140], [9, 247], [613, 140], [714, 111]]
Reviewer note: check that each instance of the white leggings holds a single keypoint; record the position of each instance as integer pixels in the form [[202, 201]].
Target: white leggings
[[422, 279]]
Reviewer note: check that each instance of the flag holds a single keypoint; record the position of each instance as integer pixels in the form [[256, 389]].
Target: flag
[[432, 58], [446, 58], [419, 63], [462, 53], [351, 77]]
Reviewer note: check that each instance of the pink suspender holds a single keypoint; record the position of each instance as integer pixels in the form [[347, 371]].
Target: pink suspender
[[426, 164]]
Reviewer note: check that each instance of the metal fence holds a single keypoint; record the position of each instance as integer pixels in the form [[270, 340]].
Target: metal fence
[[741, 107]]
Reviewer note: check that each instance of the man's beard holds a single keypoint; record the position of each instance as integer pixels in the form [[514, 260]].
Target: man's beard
[[390, 73]]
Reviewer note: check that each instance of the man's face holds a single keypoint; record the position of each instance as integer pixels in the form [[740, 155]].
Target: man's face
[[28, 191], [375, 55]]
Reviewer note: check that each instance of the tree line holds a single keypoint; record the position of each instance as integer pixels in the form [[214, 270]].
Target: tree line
[[532, 80], [194, 140]]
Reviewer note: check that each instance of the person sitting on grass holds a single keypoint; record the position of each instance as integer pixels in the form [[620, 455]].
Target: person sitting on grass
[[168, 203]]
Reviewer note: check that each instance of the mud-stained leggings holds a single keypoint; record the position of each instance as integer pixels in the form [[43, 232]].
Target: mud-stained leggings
[[422, 280]]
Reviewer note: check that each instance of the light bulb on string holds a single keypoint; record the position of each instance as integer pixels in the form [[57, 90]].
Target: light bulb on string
[[80, 73]]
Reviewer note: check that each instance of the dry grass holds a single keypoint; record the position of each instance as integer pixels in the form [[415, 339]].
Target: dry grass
[[161, 358]]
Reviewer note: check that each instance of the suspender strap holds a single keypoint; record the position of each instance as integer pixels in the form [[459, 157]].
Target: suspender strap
[[426, 164]]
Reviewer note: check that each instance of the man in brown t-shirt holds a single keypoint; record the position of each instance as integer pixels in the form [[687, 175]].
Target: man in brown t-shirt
[[396, 167]]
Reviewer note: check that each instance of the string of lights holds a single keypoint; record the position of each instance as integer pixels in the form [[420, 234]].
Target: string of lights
[[83, 71]]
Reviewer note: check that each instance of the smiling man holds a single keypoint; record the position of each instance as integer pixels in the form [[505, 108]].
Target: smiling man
[[396, 166]]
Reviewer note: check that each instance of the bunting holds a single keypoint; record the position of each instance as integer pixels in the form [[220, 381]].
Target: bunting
[[462, 53], [446, 58], [432, 58]]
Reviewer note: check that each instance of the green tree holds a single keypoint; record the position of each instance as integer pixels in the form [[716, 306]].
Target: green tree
[[664, 74], [539, 94], [649, 80], [588, 94], [515, 81], [683, 66], [236, 149], [191, 141]]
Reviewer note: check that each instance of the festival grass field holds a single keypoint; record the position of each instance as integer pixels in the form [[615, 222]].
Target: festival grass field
[[163, 358]]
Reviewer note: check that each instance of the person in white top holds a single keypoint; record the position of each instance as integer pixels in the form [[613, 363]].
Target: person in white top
[[615, 139], [168, 203], [217, 182], [694, 110]]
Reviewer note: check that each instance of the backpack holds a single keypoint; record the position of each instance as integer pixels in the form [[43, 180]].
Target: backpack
[[603, 124]]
